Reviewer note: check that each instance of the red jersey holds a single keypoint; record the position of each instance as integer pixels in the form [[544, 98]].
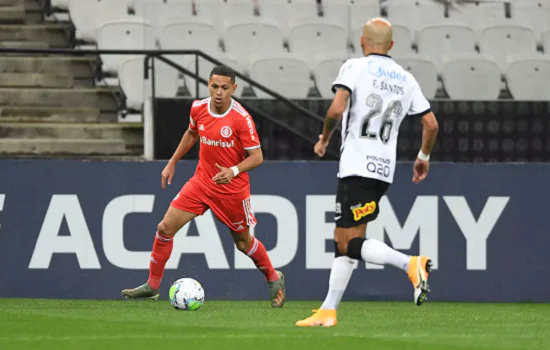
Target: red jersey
[[225, 139]]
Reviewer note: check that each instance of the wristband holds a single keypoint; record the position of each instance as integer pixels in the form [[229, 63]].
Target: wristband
[[235, 170], [422, 156]]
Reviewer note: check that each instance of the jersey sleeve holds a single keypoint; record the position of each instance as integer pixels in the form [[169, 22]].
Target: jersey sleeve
[[192, 124], [248, 134], [192, 117], [347, 76], [419, 104]]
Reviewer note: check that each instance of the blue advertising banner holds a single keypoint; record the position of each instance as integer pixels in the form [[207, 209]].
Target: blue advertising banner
[[84, 229]]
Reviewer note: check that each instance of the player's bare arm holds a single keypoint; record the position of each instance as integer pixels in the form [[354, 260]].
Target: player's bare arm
[[334, 115], [429, 134], [187, 141], [255, 159]]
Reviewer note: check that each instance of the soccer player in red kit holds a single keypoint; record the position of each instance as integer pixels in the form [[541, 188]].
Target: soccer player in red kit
[[230, 147]]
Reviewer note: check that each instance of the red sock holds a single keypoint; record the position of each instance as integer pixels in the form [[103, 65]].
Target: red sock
[[162, 249], [258, 254]]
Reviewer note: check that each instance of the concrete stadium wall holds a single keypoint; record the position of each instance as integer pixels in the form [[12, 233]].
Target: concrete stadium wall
[[84, 229]]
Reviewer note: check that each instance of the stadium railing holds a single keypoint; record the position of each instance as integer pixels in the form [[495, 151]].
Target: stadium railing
[[148, 114]]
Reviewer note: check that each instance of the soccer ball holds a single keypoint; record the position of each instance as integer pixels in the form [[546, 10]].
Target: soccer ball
[[186, 294]]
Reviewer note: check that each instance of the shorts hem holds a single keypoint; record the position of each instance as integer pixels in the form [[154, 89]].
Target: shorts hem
[[182, 208]]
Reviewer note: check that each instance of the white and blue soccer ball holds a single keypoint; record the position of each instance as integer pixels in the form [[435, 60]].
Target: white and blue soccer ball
[[186, 294]]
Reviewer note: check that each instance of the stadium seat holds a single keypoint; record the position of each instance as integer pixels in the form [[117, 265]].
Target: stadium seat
[[129, 34], [286, 14], [301, 1], [441, 39], [253, 36], [359, 14], [533, 13], [500, 40], [402, 39], [528, 77], [477, 14], [220, 12], [287, 75], [325, 72], [353, 18], [546, 42], [302, 10], [415, 14], [239, 10], [194, 34], [161, 14], [87, 16], [311, 38], [205, 67], [471, 77], [137, 89], [350, 16], [350, 2], [424, 71], [212, 11], [150, 2], [60, 4]]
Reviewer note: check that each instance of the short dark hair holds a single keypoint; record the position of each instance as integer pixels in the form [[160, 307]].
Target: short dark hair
[[224, 71]]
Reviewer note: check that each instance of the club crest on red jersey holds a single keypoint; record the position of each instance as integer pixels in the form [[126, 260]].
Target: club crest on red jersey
[[226, 131]]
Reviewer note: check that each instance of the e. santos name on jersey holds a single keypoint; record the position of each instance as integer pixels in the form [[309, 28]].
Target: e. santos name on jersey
[[376, 70], [381, 85]]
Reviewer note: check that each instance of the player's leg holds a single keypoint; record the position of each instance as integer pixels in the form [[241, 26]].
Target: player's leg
[[340, 274], [184, 208], [350, 236], [236, 213], [342, 265], [376, 252], [255, 250], [357, 204]]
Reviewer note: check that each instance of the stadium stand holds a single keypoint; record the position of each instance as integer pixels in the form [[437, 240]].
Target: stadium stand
[[311, 30], [459, 50]]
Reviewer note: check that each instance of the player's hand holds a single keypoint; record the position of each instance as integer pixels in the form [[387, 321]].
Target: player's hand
[[224, 176], [167, 174], [420, 170], [320, 147]]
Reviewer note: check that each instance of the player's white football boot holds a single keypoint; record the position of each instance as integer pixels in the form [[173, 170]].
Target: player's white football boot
[[143, 291], [419, 268]]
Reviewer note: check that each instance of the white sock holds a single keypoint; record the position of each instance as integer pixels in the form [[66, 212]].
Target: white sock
[[376, 252], [340, 274]]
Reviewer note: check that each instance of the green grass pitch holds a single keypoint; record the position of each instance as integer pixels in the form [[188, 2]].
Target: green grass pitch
[[126, 324]]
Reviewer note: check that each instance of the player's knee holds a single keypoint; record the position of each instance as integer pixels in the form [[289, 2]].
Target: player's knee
[[342, 246], [164, 229], [242, 246]]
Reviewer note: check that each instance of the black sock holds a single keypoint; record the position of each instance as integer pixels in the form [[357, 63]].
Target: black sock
[[354, 248]]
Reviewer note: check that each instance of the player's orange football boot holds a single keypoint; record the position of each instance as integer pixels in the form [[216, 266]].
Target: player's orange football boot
[[419, 268], [321, 317]]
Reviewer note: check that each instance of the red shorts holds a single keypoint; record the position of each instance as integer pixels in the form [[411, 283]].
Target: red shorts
[[234, 211]]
